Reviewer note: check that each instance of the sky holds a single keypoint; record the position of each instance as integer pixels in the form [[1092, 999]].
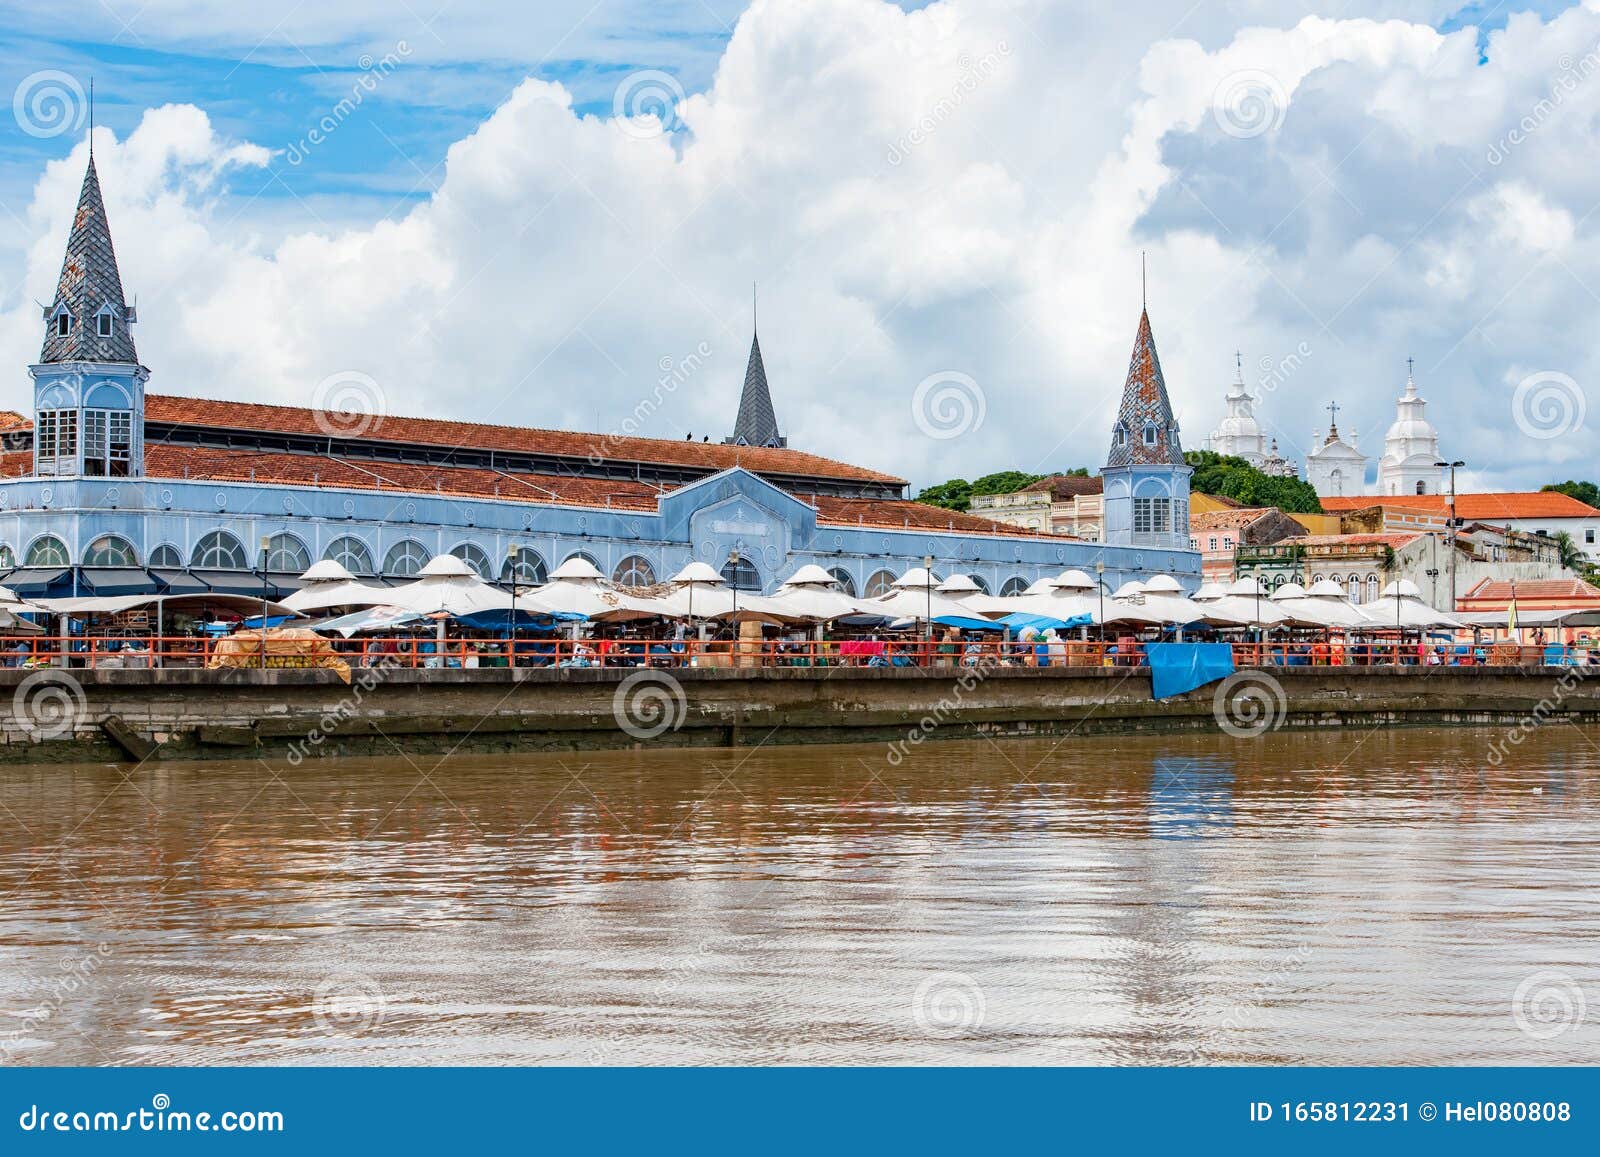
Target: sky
[[559, 215]]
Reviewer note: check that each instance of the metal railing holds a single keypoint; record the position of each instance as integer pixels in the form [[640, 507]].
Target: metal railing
[[144, 652]]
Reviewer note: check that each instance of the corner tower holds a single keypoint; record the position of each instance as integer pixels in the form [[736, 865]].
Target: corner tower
[[757, 423], [88, 388], [1146, 478]]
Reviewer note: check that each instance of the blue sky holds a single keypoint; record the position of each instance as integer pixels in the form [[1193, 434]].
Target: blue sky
[[1366, 223]]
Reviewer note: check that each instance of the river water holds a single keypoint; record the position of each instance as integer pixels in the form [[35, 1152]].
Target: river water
[[1383, 897]]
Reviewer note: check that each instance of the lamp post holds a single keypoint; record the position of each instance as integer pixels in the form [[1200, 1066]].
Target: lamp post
[[511, 562], [733, 569], [1452, 528], [266, 545], [1100, 590], [927, 566]]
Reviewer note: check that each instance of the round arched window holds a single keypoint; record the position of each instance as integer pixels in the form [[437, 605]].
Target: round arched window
[[740, 574], [219, 550], [351, 553], [166, 557], [286, 554], [1014, 585], [634, 571], [842, 582], [881, 583], [110, 550], [476, 557], [405, 558], [528, 567], [46, 550]]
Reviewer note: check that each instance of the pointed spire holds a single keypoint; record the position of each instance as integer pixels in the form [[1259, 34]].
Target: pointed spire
[[1146, 433], [756, 424], [90, 286]]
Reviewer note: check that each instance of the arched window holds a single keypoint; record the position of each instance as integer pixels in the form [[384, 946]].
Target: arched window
[[529, 568], [8, 557], [740, 574], [166, 557], [587, 557], [110, 550], [351, 553], [103, 321], [1353, 588], [46, 550], [405, 558], [476, 557], [980, 582], [881, 583], [1372, 588], [1014, 585], [1422, 487], [219, 550], [842, 582], [634, 571], [286, 554]]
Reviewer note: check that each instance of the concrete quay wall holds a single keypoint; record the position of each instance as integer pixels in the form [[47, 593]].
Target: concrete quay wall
[[51, 715]]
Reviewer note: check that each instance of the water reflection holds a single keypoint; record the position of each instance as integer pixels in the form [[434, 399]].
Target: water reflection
[[1333, 898]]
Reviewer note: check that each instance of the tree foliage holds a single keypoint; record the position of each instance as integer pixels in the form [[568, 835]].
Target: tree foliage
[[1228, 477], [957, 493], [1585, 492]]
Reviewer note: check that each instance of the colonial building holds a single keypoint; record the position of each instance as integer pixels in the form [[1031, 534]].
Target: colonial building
[[1410, 449], [106, 489], [1239, 434], [1065, 504], [1146, 479], [1541, 512], [1335, 467]]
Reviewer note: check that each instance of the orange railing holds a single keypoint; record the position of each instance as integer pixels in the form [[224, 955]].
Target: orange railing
[[101, 652]]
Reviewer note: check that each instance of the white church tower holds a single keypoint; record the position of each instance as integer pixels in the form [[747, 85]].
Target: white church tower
[[1239, 434], [1336, 468], [1411, 448]]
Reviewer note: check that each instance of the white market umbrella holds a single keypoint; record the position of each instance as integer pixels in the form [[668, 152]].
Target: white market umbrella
[[701, 593], [1329, 599], [1068, 595], [1246, 601], [916, 596], [577, 588], [1400, 605], [811, 594], [449, 585], [1297, 610], [1159, 602], [320, 596]]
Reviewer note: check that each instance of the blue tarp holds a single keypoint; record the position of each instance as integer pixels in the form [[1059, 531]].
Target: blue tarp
[[253, 624], [1021, 620], [963, 623], [501, 620], [1179, 667]]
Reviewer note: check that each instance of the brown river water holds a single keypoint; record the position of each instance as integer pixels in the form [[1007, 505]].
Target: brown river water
[[1367, 897]]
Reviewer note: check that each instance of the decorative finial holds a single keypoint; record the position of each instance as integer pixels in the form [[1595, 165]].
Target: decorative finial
[[1144, 295], [753, 314], [1411, 368], [91, 118]]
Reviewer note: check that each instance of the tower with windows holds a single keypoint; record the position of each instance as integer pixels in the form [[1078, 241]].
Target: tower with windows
[[1146, 479], [88, 388], [1410, 462]]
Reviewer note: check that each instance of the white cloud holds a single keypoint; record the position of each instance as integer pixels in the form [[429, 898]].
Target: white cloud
[[966, 187]]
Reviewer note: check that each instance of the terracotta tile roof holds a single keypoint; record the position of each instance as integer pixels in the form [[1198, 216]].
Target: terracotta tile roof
[[10, 420], [248, 416], [893, 514], [1063, 486], [1475, 507], [1567, 590], [1226, 519]]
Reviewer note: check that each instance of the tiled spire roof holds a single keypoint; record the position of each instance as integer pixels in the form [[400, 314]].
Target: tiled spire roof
[[756, 424], [1145, 403], [89, 280]]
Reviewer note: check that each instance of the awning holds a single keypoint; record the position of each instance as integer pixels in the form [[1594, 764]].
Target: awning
[[243, 582], [116, 580], [179, 582], [32, 582]]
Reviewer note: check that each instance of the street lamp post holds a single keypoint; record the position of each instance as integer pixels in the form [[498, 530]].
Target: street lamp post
[[266, 545], [733, 569], [1100, 590], [1452, 529], [511, 561], [927, 566]]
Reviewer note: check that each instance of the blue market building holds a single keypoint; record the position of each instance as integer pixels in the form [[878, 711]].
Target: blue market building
[[108, 489]]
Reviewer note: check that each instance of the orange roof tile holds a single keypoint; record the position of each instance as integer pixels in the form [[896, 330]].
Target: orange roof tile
[[1571, 589], [1475, 507], [1394, 540], [248, 416]]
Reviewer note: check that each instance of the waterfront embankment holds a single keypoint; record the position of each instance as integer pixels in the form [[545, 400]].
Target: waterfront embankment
[[306, 714]]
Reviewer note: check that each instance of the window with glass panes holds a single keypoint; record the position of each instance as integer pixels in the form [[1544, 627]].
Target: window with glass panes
[[1152, 516], [56, 442]]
